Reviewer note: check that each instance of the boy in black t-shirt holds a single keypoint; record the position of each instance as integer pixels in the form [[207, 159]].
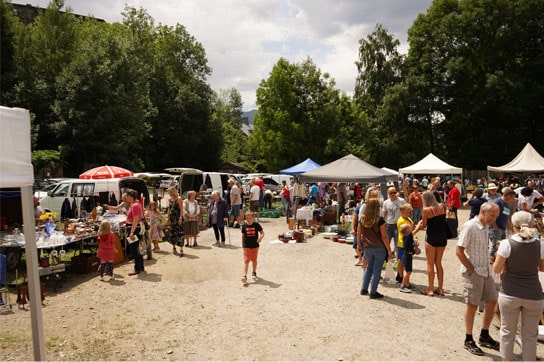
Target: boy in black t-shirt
[[252, 234]]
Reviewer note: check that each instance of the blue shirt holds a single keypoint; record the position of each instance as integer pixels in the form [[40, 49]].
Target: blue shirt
[[502, 220], [475, 204], [314, 190]]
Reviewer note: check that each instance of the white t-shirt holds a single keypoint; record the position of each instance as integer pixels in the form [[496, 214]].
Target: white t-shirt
[[505, 249], [254, 193], [235, 192]]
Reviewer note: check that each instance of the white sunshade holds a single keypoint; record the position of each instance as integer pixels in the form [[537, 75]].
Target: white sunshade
[[528, 160], [431, 165]]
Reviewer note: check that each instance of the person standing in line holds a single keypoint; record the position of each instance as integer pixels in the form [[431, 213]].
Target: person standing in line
[[191, 212], [105, 252], [217, 217], [519, 259], [252, 235], [372, 238], [416, 201], [175, 219], [254, 194], [391, 214], [154, 216], [473, 253]]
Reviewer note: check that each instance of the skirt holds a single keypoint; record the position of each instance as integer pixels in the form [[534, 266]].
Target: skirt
[[191, 227]]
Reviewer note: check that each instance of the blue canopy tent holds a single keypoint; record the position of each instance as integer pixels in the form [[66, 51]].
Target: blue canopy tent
[[306, 165]]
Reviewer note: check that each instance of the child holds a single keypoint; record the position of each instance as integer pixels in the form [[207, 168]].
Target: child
[[105, 250], [409, 250], [252, 234], [405, 211], [154, 217]]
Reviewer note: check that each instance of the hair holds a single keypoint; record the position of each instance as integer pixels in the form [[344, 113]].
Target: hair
[[105, 227], [478, 192], [405, 206], [486, 206], [522, 220], [507, 191], [215, 192], [250, 213], [403, 228], [132, 193], [191, 193], [429, 200], [371, 215], [173, 191], [526, 191]]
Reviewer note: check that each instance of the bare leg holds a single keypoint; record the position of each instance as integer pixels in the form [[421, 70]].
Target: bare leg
[[439, 268], [470, 312], [430, 253], [489, 311]]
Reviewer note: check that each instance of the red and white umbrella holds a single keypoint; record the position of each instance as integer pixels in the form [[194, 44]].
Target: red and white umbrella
[[104, 172]]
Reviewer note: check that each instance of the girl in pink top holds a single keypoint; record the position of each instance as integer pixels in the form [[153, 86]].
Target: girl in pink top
[[105, 250]]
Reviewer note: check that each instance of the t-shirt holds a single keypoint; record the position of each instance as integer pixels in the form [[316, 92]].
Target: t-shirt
[[475, 203], [314, 190], [254, 193], [416, 200], [251, 234], [235, 191], [401, 221], [286, 193], [259, 182], [392, 209], [504, 213]]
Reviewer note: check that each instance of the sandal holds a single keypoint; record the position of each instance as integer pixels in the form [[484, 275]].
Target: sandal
[[438, 292], [426, 293]]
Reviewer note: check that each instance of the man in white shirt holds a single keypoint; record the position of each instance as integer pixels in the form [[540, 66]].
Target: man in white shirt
[[235, 203], [254, 198], [391, 214]]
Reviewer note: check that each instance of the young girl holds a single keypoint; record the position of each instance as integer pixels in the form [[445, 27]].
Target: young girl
[[154, 217], [105, 250]]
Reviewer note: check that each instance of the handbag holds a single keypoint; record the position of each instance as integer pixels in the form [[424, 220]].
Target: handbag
[[142, 247], [451, 225]]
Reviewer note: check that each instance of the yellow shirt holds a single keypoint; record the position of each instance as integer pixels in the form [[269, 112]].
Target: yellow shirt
[[401, 221]]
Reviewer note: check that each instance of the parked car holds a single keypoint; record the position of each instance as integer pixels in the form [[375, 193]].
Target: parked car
[[269, 184]]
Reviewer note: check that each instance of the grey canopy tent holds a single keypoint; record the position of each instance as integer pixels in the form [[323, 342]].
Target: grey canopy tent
[[347, 169], [17, 172], [528, 160], [305, 166]]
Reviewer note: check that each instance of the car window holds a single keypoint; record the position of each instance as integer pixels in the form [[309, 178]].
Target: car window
[[82, 189], [62, 190]]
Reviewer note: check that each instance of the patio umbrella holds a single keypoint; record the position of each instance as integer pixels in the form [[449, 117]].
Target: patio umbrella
[[103, 172]]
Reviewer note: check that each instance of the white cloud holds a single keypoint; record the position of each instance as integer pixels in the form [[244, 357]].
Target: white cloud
[[243, 39]]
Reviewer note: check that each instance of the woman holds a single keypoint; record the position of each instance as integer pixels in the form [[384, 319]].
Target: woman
[[217, 216], [286, 200], [174, 217], [519, 259], [133, 229], [433, 217], [372, 236], [416, 202], [191, 211]]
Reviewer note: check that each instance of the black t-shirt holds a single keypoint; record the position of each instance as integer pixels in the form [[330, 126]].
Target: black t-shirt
[[251, 234]]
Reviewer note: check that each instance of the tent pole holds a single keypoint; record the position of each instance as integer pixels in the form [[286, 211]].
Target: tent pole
[[33, 275]]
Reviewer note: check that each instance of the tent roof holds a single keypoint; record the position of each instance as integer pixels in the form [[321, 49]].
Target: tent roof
[[347, 169], [431, 164], [15, 156], [306, 165], [528, 160]]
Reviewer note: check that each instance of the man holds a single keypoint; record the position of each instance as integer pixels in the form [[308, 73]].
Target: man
[[528, 200], [497, 231], [235, 203], [391, 214], [491, 193], [254, 198], [473, 253], [259, 182], [312, 194], [453, 199]]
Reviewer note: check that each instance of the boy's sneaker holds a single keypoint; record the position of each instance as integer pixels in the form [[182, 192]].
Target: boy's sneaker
[[244, 279], [101, 278], [489, 342], [405, 289], [254, 276], [473, 348], [411, 287]]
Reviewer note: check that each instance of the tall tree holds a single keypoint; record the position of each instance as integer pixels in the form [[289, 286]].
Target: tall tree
[[297, 115], [479, 69]]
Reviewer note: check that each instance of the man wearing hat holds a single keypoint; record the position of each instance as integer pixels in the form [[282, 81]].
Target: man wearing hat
[[497, 231], [491, 193]]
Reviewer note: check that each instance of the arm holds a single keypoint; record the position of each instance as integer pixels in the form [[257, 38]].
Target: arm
[[386, 242], [360, 238], [498, 265], [460, 252], [422, 224], [354, 219], [541, 265], [261, 236], [180, 204]]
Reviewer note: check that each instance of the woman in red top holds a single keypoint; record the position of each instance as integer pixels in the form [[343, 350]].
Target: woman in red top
[[133, 228], [416, 201]]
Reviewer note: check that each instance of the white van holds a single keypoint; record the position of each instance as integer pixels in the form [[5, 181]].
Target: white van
[[104, 191], [193, 179]]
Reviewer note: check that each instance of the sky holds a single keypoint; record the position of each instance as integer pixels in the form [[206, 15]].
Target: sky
[[244, 39]]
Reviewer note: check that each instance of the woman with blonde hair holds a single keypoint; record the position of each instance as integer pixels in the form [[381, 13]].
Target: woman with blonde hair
[[372, 238], [519, 259], [433, 217], [191, 211], [175, 218]]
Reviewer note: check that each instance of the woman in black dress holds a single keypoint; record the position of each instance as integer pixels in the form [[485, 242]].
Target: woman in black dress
[[174, 216]]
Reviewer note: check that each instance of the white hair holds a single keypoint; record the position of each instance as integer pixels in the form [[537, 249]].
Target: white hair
[[522, 220]]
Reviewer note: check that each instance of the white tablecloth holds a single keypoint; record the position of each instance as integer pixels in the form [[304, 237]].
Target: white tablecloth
[[307, 215]]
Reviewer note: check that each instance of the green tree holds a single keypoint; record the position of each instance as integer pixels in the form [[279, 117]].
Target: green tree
[[9, 27], [298, 116], [477, 67]]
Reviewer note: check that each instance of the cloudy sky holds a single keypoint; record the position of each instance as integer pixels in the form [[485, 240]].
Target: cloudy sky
[[243, 39]]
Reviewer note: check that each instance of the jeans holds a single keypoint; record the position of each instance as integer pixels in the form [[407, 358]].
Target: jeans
[[392, 232], [495, 236], [375, 258], [287, 207], [416, 214], [217, 230], [133, 249]]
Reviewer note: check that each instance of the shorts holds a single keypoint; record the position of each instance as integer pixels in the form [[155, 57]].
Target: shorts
[[479, 288], [254, 205], [407, 261], [250, 254], [235, 210], [400, 252]]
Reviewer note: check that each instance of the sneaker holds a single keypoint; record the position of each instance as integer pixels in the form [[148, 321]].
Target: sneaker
[[376, 295], [244, 279], [112, 277], [411, 287], [217, 243], [489, 342], [101, 278], [473, 348], [222, 245], [364, 292], [254, 276], [405, 289]]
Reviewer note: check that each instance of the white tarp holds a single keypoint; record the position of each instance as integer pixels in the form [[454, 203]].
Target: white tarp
[[528, 160], [16, 171], [431, 165]]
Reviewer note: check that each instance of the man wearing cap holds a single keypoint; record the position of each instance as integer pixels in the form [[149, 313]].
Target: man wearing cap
[[497, 231], [491, 193]]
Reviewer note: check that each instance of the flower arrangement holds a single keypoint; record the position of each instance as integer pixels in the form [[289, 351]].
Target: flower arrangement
[[48, 216]]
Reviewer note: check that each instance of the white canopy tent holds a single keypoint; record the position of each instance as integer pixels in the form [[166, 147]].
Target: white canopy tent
[[431, 165], [528, 160], [16, 171]]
